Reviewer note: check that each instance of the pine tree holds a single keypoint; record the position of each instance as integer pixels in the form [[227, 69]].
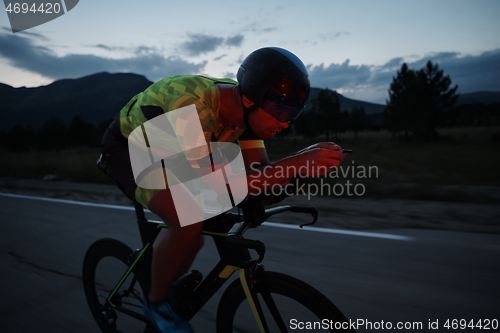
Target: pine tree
[[417, 101]]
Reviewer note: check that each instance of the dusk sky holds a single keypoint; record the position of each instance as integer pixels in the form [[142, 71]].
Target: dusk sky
[[354, 47]]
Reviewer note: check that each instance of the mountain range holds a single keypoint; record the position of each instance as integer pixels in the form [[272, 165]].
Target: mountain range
[[100, 96], [95, 98], [347, 104]]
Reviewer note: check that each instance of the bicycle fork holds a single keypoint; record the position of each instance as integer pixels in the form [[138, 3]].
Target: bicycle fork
[[248, 277], [248, 271]]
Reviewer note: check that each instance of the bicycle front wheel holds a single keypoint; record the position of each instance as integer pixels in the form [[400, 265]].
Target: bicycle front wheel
[[287, 304], [115, 309]]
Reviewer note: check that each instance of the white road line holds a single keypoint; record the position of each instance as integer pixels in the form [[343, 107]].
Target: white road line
[[269, 224], [342, 232], [73, 202]]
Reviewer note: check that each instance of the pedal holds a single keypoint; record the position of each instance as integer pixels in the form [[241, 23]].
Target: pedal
[[184, 287]]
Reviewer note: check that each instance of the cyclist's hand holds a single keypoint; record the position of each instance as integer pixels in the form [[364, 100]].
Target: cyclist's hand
[[317, 160], [329, 145]]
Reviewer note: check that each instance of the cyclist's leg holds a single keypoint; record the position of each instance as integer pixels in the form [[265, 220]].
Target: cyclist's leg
[[175, 251]]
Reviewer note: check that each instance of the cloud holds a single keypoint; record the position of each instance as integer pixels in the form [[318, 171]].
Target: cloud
[[229, 75], [336, 76], [258, 27], [134, 50], [220, 57], [364, 82], [109, 48], [324, 38], [235, 40], [333, 35], [471, 73], [371, 83], [394, 63], [22, 53], [199, 44]]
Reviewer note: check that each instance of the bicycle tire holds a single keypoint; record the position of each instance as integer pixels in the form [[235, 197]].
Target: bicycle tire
[[294, 299], [104, 265]]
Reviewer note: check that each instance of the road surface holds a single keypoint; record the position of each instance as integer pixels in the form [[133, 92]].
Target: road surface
[[427, 276]]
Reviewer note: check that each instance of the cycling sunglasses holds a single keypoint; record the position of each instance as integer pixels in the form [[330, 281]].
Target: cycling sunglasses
[[281, 107]]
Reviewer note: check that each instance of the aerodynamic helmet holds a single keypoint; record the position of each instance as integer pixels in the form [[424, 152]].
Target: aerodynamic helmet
[[275, 80]]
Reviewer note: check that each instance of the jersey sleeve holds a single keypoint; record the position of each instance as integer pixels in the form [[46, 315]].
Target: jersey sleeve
[[249, 140]]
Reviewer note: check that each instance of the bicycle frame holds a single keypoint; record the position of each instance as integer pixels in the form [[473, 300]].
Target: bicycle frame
[[227, 231]]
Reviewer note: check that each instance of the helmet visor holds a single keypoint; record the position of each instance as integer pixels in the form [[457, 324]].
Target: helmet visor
[[281, 107]]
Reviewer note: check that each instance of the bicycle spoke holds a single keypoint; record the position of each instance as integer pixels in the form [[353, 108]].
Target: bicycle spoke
[[271, 305], [131, 288]]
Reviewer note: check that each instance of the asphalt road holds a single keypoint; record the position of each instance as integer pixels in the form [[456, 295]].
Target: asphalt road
[[435, 275]]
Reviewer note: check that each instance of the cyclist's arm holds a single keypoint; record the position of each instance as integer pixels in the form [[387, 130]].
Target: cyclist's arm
[[315, 160], [260, 171], [254, 152], [255, 158], [261, 175]]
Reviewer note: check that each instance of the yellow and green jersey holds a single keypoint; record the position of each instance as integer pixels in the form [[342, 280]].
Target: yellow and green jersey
[[173, 93]]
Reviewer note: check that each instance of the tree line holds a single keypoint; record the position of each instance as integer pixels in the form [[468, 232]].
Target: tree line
[[420, 101], [54, 135], [326, 117]]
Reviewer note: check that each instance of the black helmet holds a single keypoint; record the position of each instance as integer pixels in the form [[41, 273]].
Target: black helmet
[[275, 80]]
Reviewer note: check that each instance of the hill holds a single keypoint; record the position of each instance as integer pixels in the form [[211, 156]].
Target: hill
[[347, 104], [484, 97], [96, 97]]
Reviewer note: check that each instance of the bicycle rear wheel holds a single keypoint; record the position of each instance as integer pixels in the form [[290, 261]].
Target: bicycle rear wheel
[[288, 305], [105, 264]]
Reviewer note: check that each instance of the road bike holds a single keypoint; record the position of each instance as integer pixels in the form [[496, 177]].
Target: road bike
[[116, 280]]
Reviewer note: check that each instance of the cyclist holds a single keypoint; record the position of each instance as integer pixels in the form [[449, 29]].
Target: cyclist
[[272, 88]]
